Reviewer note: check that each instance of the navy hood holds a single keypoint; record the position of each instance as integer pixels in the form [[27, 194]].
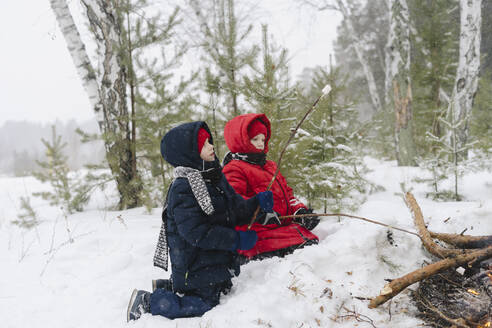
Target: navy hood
[[179, 147]]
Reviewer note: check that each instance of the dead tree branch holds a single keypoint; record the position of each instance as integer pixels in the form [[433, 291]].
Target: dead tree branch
[[463, 241], [396, 286], [452, 257], [425, 236]]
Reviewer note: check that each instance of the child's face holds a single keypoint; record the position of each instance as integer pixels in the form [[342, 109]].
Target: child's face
[[207, 153], [258, 141]]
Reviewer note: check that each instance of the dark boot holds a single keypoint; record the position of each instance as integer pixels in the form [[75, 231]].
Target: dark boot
[[139, 304], [166, 284]]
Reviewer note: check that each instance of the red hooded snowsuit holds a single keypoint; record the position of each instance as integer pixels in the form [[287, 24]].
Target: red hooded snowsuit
[[248, 179]]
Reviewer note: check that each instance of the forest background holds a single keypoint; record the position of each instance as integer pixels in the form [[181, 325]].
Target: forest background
[[411, 80]]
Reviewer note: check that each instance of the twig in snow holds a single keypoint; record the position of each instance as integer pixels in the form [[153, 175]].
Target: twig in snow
[[24, 251], [53, 251], [357, 316], [53, 235], [455, 322]]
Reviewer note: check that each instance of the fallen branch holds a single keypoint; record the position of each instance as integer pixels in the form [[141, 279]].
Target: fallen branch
[[425, 236], [463, 241], [396, 286]]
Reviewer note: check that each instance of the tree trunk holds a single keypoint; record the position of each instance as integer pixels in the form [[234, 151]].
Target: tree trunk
[[107, 90], [77, 51], [466, 83], [359, 51], [398, 76], [132, 81], [113, 80]]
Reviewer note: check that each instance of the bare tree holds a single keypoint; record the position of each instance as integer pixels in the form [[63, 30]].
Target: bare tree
[[105, 87], [398, 79], [343, 6]]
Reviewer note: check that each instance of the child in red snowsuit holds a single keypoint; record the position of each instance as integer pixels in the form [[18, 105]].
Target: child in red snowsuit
[[248, 172]]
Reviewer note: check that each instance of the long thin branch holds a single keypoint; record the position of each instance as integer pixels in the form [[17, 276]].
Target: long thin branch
[[324, 92], [348, 216]]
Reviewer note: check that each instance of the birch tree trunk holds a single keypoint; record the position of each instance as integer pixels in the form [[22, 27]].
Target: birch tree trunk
[[77, 51], [107, 89], [359, 51], [466, 83], [398, 83]]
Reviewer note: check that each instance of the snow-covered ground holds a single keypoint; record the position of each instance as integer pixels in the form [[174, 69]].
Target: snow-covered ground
[[48, 281]]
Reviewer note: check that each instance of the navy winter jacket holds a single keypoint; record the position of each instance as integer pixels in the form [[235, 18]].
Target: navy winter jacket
[[201, 246]]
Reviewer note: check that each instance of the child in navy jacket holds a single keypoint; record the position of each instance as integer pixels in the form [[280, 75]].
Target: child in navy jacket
[[202, 211]]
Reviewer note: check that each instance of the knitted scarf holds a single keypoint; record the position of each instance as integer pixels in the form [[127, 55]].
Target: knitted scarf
[[199, 189]]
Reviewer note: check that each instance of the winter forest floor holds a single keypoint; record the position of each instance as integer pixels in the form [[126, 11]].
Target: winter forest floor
[[48, 281]]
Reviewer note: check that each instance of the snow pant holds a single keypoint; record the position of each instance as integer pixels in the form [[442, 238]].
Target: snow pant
[[192, 304]]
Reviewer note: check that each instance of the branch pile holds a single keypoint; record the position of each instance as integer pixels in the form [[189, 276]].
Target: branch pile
[[466, 251]]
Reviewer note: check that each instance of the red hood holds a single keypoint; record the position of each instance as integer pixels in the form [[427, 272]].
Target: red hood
[[236, 133]]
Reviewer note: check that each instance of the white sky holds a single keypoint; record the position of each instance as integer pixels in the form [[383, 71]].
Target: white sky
[[38, 81]]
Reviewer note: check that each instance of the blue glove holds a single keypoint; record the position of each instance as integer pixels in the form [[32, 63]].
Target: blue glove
[[245, 240], [265, 198]]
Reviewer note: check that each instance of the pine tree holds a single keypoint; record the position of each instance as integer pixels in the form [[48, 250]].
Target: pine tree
[[269, 91], [67, 192], [28, 218], [331, 171], [222, 34], [486, 47], [158, 98], [435, 54], [481, 119]]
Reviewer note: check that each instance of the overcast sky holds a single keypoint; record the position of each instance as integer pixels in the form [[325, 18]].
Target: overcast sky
[[38, 81]]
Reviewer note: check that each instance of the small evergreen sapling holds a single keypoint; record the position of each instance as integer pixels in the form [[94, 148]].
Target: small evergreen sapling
[[28, 218], [67, 192], [331, 172], [268, 90], [448, 159]]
